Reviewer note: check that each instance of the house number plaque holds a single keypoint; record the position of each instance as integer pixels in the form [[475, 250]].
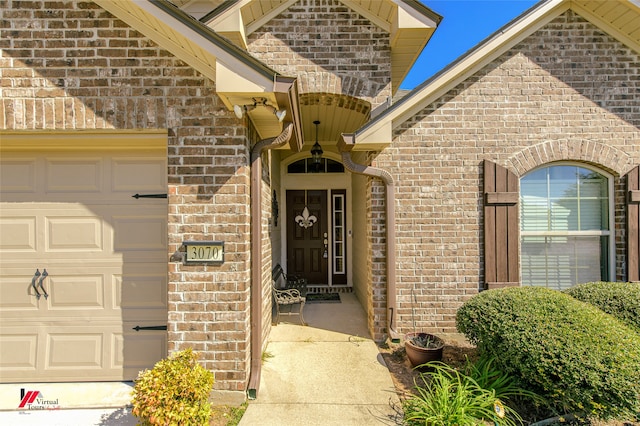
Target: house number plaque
[[204, 251]]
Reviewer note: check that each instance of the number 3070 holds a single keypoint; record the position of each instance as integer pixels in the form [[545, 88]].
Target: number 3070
[[202, 252]]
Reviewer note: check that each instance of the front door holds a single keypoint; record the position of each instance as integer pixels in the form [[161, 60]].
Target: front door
[[307, 235]]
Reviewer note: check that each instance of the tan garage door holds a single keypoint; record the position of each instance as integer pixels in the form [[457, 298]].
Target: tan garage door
[[70, 212]]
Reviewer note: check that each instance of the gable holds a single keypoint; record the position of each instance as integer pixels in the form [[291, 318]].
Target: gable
[[408, 23], [618, 19], [239, 78]]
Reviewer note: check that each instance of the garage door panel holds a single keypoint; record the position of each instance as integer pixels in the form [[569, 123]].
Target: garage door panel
[[75, 350], [18, 176], [16, 293], [70, 292], [137, 291], [74, 175], [139, 175], [19, 350], [141, 349], [17, 233], [74, 233], [140, 232]]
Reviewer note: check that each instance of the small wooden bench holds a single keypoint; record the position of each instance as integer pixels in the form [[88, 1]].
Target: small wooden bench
[[293, 292]]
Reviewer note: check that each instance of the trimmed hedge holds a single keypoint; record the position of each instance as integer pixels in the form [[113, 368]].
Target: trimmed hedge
[[577, 357], [622, 300]]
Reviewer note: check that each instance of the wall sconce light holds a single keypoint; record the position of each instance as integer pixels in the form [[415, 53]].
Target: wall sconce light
[[241, 110], [316, 149]]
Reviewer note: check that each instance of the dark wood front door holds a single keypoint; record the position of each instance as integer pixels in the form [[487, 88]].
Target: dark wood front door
[[307, 244]]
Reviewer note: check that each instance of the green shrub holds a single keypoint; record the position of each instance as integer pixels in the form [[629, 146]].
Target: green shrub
[[574, 355], [176, 391], [447, 397], [622, 300]]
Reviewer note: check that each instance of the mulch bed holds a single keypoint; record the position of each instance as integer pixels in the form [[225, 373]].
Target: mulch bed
[[456, 352]]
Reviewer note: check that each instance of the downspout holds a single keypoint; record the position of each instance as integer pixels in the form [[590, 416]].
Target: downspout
[[345, 145], [256, 254]]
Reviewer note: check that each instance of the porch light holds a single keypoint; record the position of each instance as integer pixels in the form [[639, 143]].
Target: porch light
[[316, 149], [240, 110]]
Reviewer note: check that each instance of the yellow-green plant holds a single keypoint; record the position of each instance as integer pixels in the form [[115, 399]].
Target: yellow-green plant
[[175, 392]]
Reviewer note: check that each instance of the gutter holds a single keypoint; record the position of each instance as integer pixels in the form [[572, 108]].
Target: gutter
[[256, 254], [424, 10], [345, 145]]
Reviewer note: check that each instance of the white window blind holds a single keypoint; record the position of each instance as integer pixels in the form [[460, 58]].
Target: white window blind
[[564, 223]]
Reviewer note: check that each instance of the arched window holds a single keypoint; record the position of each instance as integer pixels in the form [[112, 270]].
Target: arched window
[[306, 165], [565, 226]]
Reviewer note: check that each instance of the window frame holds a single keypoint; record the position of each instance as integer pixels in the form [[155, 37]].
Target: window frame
[[610, 233]]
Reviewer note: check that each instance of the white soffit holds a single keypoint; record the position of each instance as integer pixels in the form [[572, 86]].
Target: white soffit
[[620, 18]]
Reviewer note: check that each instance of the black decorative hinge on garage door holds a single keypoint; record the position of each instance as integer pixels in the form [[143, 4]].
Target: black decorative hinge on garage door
[[136, 196], [152, 327]]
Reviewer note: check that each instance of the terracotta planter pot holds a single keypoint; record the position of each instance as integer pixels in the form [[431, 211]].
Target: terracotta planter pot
[[419, 355]]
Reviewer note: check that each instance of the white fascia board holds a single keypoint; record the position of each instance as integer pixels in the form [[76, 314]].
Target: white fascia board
[[462, 69], [229, 82], [374, 138], [230, 21], [408, 17]]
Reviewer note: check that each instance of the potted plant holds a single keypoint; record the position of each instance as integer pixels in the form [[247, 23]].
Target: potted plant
[[421, 347]]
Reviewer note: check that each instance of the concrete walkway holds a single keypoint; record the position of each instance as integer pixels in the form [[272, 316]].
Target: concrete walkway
[[327, 373]]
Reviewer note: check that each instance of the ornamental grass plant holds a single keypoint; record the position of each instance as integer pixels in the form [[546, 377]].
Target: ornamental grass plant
[[445, 396]]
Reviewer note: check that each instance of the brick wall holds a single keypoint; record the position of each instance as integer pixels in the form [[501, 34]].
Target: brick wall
[[70, 65], [330, 48], [568, 92]]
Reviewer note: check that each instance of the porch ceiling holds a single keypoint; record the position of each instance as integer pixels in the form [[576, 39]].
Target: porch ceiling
[[337, 114]]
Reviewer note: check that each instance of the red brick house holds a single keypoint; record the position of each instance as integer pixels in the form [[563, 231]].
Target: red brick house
[[156, 162]]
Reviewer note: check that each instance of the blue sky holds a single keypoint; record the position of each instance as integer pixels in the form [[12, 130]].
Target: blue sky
[[465, 23]]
